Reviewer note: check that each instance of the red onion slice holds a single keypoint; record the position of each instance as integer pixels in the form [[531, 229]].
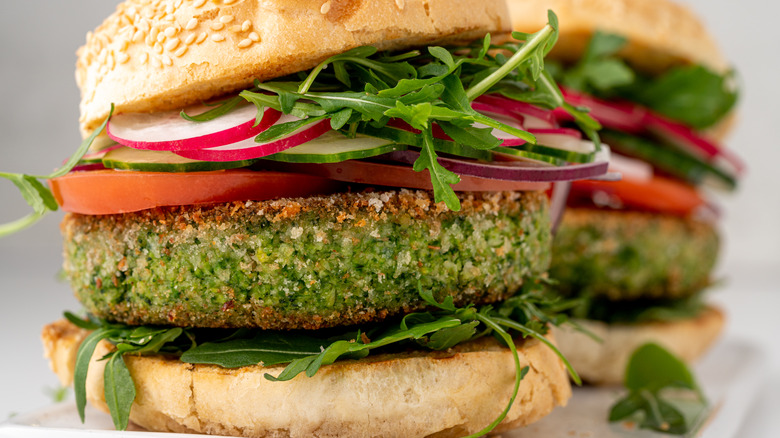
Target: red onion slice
[[558, 197], [248, 149], [515, 170], [168, 131]]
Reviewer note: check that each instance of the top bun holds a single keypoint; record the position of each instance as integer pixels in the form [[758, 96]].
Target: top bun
[[660, 33], [154, 55]]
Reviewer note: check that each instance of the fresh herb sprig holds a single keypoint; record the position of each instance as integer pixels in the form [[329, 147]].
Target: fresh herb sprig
[[650, 371], [37, 195], [440, 328]]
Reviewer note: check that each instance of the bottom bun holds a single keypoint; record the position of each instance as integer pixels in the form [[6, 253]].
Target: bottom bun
[[605, 362], [414, 394]]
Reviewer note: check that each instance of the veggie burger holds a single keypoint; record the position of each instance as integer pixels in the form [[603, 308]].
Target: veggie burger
[[640, 251], [275, 189]]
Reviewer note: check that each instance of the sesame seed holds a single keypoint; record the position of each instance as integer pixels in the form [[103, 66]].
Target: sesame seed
[[169, 17], [325, 8], [123, 57], [226, 19], [217, 37], [228, 2], [245, 43], [158, 48], [217, 26], [254, 37], [123, 45], [170, 31], [160, 37], [169, 9], [172, 44], [201, 37], [167, 60], [156, 62], [235, 29], [144, 25], [178, 3], [192, 24], [182, 50], [138, 35], [153, 33], [190, 39], [144, 57], [199, 3], [399, 3], [246, 26]]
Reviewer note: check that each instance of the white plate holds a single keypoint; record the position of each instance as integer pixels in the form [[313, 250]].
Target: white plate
[[731, 376]]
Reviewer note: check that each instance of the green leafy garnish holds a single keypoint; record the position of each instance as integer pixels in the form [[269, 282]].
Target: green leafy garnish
[[440, 328], [421, 88], [650, 371], [692, 94], [37, 195]]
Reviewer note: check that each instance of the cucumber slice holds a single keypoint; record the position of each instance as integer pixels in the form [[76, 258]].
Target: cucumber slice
[[410, 138], [666, 158], [163, 161], [528, 155], [568, 156], [335, 148]]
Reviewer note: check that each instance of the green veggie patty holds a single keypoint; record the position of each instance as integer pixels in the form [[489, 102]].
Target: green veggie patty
[[628, 255], [304, 263]]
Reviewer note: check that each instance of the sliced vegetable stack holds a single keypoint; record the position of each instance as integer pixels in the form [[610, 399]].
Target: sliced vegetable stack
[[479, 118]]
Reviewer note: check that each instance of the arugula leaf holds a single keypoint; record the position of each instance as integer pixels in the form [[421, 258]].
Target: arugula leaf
[[693, 95], [652, 369], [83, 357], [37, 195], [441, 178], [220, 109], [266, 348], [119, 390]]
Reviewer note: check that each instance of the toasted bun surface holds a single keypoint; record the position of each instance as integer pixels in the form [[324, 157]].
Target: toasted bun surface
[[605, 362], [660, 33], [450, 393], [156, 55]]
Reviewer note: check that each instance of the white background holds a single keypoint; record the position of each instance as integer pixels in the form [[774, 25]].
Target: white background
[[38, 129]]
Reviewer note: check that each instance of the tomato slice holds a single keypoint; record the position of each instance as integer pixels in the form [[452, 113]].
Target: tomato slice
[[658, 194], [118, 191]]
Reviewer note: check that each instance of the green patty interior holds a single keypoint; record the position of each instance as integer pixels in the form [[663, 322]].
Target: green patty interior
[[304, 263], [628, 256]]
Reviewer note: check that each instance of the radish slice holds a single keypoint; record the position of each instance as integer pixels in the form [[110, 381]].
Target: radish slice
[[563, 138], [623, 116], [248, 149], [168, 131], [510, 170], [686, 139], [532, 116], [630, 168]]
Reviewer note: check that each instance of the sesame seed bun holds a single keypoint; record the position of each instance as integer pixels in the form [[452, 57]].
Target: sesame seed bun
[[165, 54], [605, 362], [660, 33], [462, 389]]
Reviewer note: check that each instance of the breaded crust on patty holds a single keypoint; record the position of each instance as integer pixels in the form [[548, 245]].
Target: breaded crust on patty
[[304, 263], [449, 393], [629, 255]]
